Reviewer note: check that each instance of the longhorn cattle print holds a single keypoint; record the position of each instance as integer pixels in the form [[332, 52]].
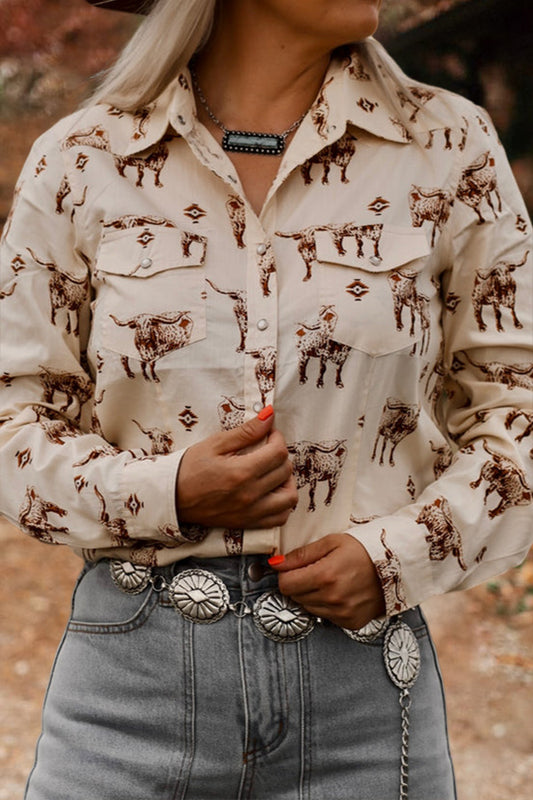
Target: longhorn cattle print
[[398, 420], [443, 536], [390, 573], [315, 341], [33, 517], [339, 153], [317, 462], [155, 335], [496, 287], [504, 478]]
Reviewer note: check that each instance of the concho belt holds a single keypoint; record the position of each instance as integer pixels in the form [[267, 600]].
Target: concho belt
[[202, 597]]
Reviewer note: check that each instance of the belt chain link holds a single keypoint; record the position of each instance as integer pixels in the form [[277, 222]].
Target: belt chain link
[[202, 597]]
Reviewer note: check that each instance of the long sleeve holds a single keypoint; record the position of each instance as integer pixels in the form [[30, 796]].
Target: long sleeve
[[62, 482], [475, 519]]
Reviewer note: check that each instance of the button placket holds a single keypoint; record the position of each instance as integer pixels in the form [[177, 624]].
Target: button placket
[[261, 349]]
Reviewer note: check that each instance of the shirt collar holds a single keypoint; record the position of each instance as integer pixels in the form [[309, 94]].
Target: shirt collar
[[361, 88]]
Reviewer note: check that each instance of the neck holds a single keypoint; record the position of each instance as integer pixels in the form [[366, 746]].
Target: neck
[[255, 73]]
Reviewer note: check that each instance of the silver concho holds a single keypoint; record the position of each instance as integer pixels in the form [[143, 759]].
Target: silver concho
[[401, 655], [199, 595], [131, 578], [370, 632], [281, 619]]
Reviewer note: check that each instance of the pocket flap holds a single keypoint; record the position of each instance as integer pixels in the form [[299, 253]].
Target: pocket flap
[[374, 248], [145, 250]]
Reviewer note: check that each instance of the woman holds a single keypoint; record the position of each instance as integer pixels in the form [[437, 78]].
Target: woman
[[272, 217]]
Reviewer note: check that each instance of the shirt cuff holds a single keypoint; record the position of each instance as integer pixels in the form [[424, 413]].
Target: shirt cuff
[[148, 496], [407, 580]]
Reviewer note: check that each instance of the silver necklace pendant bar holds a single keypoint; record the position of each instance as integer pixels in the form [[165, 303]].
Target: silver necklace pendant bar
[[265, 144]]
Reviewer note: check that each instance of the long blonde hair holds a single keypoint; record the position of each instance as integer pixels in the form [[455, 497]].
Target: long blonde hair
[[166, 40]]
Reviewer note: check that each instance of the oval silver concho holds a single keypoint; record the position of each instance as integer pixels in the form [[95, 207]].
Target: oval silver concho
[[370, 632], [401, 655], [131, 578], [199, 596], [281, 619]]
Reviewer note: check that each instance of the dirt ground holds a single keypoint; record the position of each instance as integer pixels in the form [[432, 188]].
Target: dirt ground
[[484, 638]]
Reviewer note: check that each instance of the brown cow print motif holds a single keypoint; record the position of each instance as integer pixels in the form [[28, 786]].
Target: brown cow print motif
[[361, 233], [478, 183], [443, 537], [95, 137], [315, 341], [239, 309], [430, 205], [512, 416], [316, 462], [116, 528], [230, 413], [406, 295], [339, 153], [505, 479], [66, 292], [398, 420], [511, 375], [237, 217], [265, 370], [443, 459], [355, 68], [320, 111], [133, 221], [156, 335], [390, 574], [414, 99], [33, 517], [306, 245], [233, 541], [55, 430], [161, 441], [76, 387], [154, 162], [497, 288], [267, 267]]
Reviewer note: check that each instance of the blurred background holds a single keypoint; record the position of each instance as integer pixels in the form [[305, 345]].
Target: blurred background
[[50, 53]]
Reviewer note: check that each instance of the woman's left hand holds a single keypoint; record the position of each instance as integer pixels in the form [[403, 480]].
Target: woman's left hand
[[333, 578]]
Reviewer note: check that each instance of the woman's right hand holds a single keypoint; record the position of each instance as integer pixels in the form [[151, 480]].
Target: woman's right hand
[[240, 478]]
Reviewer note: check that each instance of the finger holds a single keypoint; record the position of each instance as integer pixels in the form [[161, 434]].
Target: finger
[[308, 554], [249, 433]]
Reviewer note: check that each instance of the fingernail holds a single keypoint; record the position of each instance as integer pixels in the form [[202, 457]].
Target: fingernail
[[275, 561], [265, 413]]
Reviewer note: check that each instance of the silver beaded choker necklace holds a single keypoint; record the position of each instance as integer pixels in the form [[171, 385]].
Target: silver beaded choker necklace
[[265, 144]]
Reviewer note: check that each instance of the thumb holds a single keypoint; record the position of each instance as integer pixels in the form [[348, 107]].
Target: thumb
[[306, 555], [249, 433]]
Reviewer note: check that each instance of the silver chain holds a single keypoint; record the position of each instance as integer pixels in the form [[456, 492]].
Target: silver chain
[[405, 704], [221, 125]]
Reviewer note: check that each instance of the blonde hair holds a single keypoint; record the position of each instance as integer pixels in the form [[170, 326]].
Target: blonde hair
[[166, 40]]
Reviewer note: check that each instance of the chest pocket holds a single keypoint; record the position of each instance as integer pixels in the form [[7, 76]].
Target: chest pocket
[[150, 293], [370, 276]]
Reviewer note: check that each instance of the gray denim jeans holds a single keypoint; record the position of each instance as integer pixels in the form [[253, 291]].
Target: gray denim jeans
[[145, 705]]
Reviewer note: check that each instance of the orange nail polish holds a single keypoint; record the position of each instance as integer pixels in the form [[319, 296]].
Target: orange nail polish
[[275, 561], [265, 413]]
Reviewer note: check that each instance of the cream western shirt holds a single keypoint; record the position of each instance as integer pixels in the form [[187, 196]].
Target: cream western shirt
[[381, 302]]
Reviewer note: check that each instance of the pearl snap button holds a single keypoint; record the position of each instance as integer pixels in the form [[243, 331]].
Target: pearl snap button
[[261, 249], [375, 261], [257, 407], [262, 324], [146, 262]]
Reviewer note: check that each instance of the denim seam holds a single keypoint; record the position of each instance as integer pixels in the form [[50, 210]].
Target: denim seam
[[131, 624]]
